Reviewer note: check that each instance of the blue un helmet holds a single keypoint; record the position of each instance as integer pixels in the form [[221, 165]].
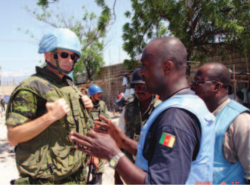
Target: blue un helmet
[[93, 89], [61, 38]]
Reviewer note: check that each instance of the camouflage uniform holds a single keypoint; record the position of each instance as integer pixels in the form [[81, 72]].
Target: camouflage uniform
[[50, 157], [100, 109], [134, 120]]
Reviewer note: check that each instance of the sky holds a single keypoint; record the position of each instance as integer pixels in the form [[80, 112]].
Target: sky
[[18, 51]]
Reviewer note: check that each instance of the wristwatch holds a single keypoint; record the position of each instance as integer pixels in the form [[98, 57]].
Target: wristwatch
[[114, 160]]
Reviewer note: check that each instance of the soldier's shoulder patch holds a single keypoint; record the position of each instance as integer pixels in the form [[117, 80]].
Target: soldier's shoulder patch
[[40, 86], [167, 139]]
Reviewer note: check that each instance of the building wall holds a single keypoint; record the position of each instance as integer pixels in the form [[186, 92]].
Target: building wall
[[110, 80], [241, 63], [112, 72]]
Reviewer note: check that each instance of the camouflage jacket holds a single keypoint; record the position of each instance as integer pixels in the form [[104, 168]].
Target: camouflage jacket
[[100, 109], [134, 120], [51, 154]]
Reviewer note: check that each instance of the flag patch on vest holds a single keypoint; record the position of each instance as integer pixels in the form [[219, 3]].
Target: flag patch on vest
[[167, 140]]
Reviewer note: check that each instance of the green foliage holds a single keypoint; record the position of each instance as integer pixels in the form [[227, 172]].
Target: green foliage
[[91, 59], [100, 3], [90, 29], [45, 3], [104, 19], [206, 28]]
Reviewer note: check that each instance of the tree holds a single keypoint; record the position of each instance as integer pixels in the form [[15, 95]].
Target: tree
[[91, 59], [104, 19], [91, 31], [206, 27]]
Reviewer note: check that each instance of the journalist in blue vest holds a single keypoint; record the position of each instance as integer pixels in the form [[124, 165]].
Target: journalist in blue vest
[[176, 144], [232, 126]]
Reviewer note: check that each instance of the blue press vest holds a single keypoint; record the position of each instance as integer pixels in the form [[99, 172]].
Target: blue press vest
[[223, 170], [202, 168]]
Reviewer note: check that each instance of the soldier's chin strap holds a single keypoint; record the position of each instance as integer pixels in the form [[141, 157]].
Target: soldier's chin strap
[[96, 101], [57, 67]]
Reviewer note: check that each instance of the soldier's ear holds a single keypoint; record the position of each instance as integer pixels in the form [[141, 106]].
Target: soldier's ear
[[47, 56]]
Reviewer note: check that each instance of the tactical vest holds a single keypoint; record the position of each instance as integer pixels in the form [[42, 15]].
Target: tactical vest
[[202, 167], [225, 172], [51, 154], [134, 120], [99, 109]]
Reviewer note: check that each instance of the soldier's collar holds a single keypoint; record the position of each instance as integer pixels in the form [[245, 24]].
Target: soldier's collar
[[96, 103], [44, 72]]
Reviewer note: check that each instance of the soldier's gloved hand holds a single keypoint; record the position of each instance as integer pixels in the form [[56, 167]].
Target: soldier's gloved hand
[[87, 102], [57, 109]]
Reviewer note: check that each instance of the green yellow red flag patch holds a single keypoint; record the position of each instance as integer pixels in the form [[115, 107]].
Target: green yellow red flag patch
[[167, 140]]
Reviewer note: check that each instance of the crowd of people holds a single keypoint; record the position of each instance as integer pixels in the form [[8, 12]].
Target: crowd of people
[[191, 134]]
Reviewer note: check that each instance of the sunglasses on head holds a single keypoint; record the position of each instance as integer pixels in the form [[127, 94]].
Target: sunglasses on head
[[66, 55]]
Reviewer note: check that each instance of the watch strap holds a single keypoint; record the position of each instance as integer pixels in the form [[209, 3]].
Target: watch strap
[[115, 159]]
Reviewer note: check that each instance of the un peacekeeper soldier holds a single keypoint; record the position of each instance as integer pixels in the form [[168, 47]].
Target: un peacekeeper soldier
[[99, 108], [43, 110], [136, 113], [232, 134], [176, 144]]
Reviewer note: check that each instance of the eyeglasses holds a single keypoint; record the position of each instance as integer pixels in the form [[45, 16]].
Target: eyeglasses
[[197, 82], [66, 55]]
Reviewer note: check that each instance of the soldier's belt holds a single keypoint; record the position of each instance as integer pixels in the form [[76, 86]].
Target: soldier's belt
[[77, 177]]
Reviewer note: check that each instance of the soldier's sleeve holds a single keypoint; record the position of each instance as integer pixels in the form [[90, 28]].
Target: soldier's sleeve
[[22, 108], [106, 112]]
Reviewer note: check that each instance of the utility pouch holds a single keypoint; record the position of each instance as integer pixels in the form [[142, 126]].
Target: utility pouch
[[24, 180]]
